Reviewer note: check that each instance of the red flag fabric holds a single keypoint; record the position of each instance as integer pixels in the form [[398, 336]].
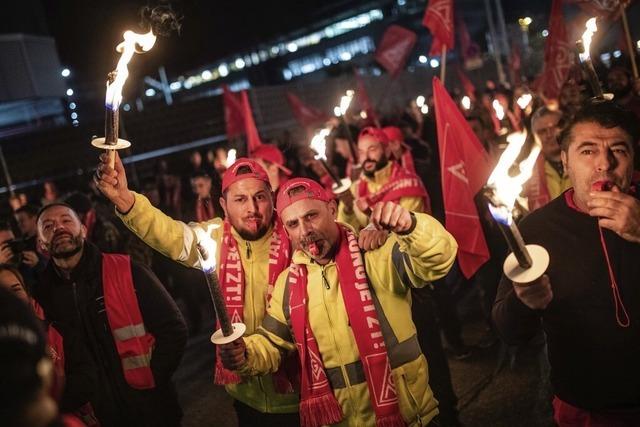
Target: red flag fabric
[[603, 9], [394, 49], [469, 49], [233, 118], [363, 98], [438, 18], [469, 88], [465, 168], [305, 114], [558, 54], [253, 138]]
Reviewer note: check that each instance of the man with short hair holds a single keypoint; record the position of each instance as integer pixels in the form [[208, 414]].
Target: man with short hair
[[588, 302], [116, 317], [253, 250], [26, 219], [549, 179], [348, 314], [382, 179], [205, 205], [272, 161]]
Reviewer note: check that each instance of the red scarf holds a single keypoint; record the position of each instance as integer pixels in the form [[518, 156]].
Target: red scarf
[[232, 284], [204, 210], [318, 404], [537, 190], [407, 160], [402, 183]]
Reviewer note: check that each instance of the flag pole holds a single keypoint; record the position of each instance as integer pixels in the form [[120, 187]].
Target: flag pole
[[443, 63], [627, 33]]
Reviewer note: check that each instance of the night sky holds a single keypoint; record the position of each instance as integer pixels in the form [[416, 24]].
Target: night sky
[[87, 31]]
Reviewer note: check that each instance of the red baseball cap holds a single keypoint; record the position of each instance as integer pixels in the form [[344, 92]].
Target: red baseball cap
[[393, 133], [231, 176], [375, 133], [310, 190], [272, 154]]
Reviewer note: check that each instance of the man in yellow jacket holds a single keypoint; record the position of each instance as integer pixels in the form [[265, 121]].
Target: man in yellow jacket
[[348, 314], [382, 179], [251, 234]]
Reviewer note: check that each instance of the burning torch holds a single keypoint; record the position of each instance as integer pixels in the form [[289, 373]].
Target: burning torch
[[231, 158], [133, 43], [526, 263], [340, 111], [207, 247], [319, 146], [584, 52]]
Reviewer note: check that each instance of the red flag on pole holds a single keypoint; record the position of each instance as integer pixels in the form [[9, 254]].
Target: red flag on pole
[[469, 88], [558, 54], [363, 98], [438, 18], [469, 49], [394, 49], [465, 168], [305, 114], [233, 118], [253, 138]]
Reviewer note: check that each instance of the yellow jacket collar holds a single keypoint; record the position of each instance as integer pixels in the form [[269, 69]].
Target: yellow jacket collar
[[264, 241], [382, 176]]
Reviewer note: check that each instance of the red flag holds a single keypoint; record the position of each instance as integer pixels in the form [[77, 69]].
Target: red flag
[[469, 49], [253, 138], [233, 119], [465, 168], [363, 98], [438, 18], [603, 9], [394, 49], [469, 88], [305, 114], [558, 54]]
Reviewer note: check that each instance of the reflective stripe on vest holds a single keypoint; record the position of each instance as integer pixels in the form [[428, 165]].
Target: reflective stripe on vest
[[133, 343]]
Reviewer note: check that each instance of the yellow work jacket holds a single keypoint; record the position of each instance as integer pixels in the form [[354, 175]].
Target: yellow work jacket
[[556, 184], [358, 219], [425, 254], [177, 240]]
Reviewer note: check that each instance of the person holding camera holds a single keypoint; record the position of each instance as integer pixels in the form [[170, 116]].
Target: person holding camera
[[16, 252]]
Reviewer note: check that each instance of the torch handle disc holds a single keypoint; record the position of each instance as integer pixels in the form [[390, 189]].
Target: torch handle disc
[[539, 264], [238, 330], [101, 144], [345, 185]]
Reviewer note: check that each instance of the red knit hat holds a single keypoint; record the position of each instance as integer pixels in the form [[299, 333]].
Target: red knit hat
[[393, 133], [231, 175], [375, 133], [311, 190]]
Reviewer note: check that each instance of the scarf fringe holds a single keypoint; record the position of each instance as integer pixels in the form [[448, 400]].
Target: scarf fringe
[[320, 410], [224, 376], [394, 420]]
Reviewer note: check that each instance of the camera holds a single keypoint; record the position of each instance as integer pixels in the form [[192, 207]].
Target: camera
[[17, 246]]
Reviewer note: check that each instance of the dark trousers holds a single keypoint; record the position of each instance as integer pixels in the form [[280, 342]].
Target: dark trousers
[[249, 417]]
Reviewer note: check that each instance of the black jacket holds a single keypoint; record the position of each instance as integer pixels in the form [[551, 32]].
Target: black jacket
[[92, 365]]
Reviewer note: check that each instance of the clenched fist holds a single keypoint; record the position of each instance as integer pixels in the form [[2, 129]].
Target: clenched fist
[[233, 355], [112, 182], [535, 295], [393, 217]]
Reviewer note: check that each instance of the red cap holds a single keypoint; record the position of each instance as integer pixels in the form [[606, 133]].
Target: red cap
[[375, 133], [272, 154], [312, 190], [231, 175], [393, 133]]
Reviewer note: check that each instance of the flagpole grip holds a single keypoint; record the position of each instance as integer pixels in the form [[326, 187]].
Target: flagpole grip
[[443, 63]]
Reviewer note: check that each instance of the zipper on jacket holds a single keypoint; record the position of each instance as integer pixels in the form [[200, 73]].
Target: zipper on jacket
[[324, 279], [248, 250]]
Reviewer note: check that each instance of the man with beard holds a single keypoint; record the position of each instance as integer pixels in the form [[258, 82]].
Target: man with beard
[[117, 319], [549, 179], [381, 179], [347, 313], [253, 250], [620, 83], [588, 303]]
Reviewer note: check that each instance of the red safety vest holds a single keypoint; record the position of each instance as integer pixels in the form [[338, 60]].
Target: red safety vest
[[133, 342]]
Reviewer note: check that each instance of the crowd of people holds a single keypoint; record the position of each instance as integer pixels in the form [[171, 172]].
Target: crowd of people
[[347, 297]]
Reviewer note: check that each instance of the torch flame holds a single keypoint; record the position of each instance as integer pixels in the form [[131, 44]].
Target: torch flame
[[524, 100], [345, 101], [231, 157], [466, 102], [319, 144], [497, 107], [506, 188], [590, 28], [133, 43], [203, 239]]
